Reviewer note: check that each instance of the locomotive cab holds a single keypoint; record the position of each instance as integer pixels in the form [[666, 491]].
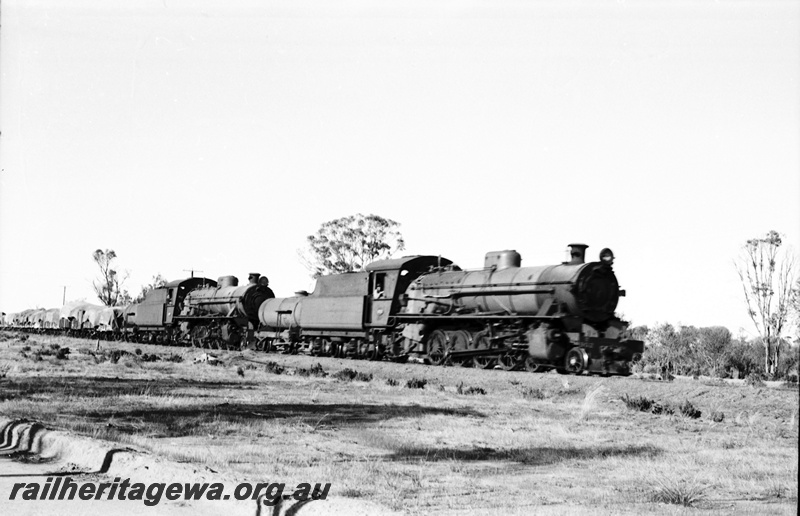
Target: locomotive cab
[[389, 279]]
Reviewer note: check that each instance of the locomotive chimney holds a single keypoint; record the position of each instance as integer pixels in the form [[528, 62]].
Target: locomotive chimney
[[577, 252], [253, 278]]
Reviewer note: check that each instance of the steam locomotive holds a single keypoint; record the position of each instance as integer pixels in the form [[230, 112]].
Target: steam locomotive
[[502, 315], [558, 316]]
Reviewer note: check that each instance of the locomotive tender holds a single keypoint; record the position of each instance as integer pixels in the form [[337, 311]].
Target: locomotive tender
[[557, 316]]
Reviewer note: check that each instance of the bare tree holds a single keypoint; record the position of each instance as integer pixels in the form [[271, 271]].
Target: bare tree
[[710, 349], [768, 279], [349, 243], [108, 285]]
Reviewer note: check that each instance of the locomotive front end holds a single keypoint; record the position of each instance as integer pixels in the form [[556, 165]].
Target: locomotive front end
[[223, 314], [556, 316]]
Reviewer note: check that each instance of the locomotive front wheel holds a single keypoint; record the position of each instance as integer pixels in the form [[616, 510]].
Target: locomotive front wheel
[[576, 361], [437, 347]]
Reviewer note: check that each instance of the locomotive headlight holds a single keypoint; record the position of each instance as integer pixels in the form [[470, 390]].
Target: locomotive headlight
[[607, 256]]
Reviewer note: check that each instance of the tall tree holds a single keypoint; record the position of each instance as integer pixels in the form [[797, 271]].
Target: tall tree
[[108, 285], [349, 243], [768, 278]]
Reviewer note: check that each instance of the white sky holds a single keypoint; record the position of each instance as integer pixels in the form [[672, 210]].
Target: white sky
[[217, 134]]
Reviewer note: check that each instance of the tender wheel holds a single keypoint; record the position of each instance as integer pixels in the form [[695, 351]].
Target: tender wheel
[[576, 361], [264, 345], [437, 347]]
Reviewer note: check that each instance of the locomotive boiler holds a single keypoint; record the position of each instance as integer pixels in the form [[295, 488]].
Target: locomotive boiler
[[557, 316]]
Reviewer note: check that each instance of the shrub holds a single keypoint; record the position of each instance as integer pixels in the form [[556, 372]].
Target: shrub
[[717, 416], [174, 358], [533, 393], [149, 357], [391, 382], [138, 351], [678, 492], [274, 367], [349, 375], [62, 353], [754, 380], [647, 405], [416, 383], [665, 409], [688, 410], [54, 346], [639, 403], [315, 370], [473, 390]]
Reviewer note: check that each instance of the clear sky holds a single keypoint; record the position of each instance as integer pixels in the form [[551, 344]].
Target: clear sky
[[215, 135]]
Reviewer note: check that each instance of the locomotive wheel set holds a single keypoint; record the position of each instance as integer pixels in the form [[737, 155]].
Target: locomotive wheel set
[[504, 315]]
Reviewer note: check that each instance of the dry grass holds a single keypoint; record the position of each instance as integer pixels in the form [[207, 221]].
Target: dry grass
[[410, 437]]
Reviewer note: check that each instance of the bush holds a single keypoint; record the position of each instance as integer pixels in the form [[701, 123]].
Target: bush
[[315, 370], [416, 383], [643, 404], [689, 410], [138, 351], [754, 380], [473, 390], [679, 492], [349, 375], [639, 403], [275, 368], [533, 393], [391, 382], [717, 416], [174, 358], [665, 409], [62, 353]]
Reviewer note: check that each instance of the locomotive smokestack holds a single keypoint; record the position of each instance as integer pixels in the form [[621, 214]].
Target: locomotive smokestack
[[577, 253], [253, 278]]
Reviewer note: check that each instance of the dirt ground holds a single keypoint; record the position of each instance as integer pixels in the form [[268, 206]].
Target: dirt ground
[[468, 442]]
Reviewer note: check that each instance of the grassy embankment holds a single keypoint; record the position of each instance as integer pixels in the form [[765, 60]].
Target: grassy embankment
[[423, 439]]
